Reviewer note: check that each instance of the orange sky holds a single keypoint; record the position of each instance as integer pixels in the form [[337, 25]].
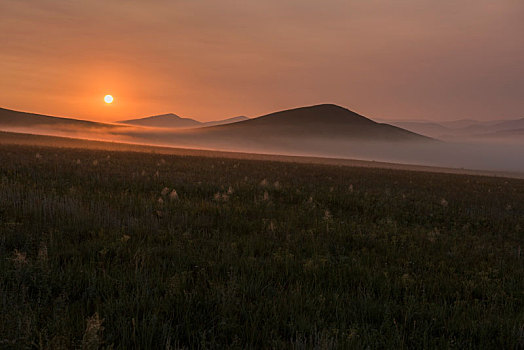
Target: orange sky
[[207, 59]]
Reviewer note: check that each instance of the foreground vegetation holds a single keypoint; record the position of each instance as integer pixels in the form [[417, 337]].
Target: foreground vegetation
[[135, 250]]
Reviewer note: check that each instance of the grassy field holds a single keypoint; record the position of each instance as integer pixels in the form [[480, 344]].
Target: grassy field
[[98, 251]]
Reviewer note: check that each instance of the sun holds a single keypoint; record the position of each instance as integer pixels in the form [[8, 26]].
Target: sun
[[108, 99]]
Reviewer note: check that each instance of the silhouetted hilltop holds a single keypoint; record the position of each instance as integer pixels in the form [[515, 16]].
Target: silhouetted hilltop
[[169, 120], [173, 121], [326, 120]]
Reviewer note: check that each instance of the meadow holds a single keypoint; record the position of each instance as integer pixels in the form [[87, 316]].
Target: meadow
[[128, 250]]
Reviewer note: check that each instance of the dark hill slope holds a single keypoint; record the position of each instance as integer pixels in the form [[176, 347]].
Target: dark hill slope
[[10, 118], [327, 120]]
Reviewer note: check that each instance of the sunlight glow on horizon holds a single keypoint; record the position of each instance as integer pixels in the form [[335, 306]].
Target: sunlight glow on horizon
[[210, 60]]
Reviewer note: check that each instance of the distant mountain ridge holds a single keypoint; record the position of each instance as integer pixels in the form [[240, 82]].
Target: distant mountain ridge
[[174, 121], [168, 120], [465, 128]]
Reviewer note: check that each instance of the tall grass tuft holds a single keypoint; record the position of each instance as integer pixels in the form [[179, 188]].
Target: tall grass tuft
[[173, 195], [92, 339]]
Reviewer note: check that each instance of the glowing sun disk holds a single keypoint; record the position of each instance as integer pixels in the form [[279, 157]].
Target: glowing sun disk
[[108, 99]]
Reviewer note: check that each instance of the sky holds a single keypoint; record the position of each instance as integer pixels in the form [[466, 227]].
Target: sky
[[209, 59]]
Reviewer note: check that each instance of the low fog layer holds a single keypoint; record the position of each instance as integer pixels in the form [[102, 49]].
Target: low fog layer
[[467, 155], [481, 156], [500, 131], [321, 131]]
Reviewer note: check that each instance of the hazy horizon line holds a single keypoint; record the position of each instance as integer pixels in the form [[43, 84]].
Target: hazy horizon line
[[376, 119]]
